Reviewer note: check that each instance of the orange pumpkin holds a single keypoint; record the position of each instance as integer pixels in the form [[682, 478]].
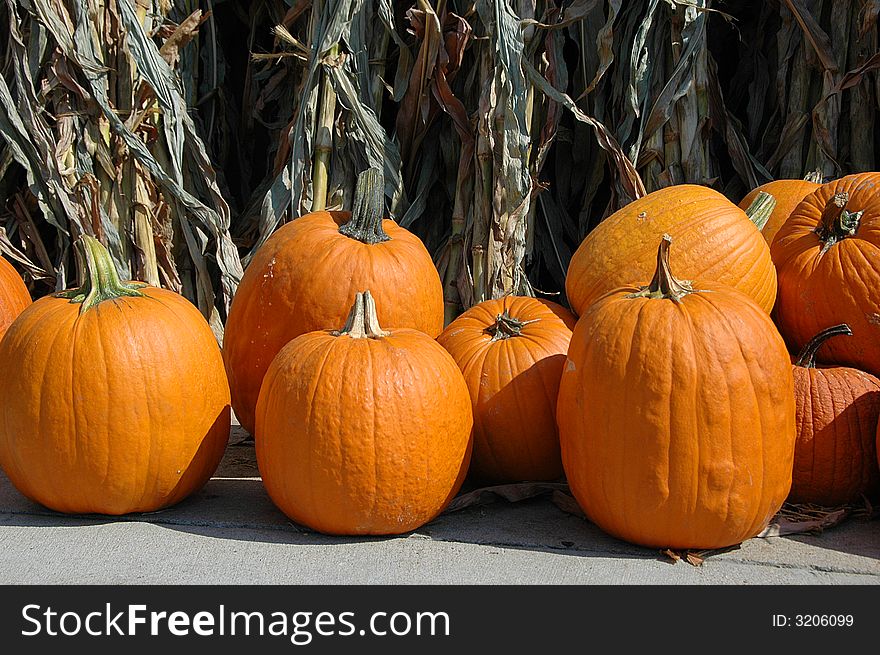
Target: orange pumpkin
[[113, 397], [14, 295], [363, 431], [716, 243], [676, 414], [511, 352], [828, 260], [305, 277], [837, 413], [788, 194]]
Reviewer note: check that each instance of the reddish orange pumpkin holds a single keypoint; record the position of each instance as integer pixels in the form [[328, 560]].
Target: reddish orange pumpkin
[[113, 397], [837, 413], [676, 414], [305, 277], [788, 194], [14, 295], [828, 260], [363, 431], [511, 352], [716, 242]]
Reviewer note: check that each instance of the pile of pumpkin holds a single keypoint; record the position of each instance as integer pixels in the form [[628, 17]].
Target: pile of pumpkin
[[671, 404]]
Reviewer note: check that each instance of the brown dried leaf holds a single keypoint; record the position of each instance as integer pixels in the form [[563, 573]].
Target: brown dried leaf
[[183, 34]]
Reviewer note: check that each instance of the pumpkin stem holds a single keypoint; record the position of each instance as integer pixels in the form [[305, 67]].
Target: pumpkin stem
[[362, 322], [664, 284], [506, 326], [837, 222], [761, 208], [807, 356], [100, 280], [814, 176], [365, 224]]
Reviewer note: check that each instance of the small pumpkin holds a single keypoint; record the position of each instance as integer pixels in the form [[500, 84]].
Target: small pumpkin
[[676, 414], [788, 194], [363, 431], [717, 242], [306, 275], [113, 397], [511, 352], [827, 255], [14, 295], [837, 414]]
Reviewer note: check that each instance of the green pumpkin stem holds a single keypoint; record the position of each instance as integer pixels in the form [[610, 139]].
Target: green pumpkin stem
[[367, 209], [100, 280], [506, 326], [664, 284], [761, 208], [807, 356], [362, 321], [837, 222]]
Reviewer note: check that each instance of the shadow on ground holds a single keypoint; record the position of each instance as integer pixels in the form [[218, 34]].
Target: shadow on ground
[[234, 506]]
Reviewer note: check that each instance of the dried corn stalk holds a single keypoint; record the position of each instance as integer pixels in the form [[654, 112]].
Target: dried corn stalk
[[507, 129], [98, 139]]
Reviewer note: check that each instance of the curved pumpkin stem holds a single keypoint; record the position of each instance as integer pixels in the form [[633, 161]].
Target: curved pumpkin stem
[[101, 282], [367, 210], [664, 284], [837, 222], [506, 326], [363, 321], [761, 208], [807, 356]]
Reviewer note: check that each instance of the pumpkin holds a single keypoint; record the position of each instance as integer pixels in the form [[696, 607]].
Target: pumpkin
[[676, 414], [113, 397], [511, 352], [14, 295], [788, 194], [305, 277], [363, 431], [837, 414], [716, 243], [828, 260]]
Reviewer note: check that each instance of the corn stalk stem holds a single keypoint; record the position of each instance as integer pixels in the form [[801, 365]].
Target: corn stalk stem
[[324, 138]]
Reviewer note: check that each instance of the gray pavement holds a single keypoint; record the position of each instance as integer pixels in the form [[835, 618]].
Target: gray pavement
[[231, 533]]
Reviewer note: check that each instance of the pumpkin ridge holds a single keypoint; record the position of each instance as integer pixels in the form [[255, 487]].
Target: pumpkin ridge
[[313, 433], [694, 400], [734, 333], [76, 419], [488, 444], [813, 388], [744, 250], [513, 356], [633, 365]]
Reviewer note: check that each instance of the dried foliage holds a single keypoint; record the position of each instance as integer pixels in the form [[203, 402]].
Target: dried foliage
[[507, 129], [99, 140]]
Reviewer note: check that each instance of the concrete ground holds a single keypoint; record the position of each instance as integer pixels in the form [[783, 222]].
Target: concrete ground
[[231, 533]]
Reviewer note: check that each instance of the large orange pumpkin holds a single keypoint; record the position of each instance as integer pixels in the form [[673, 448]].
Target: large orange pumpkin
[[827, 255], [14, 295], [511, 352], [788, 194], [305, 277], [363, 431], [676, 414], [716, 242], [113, 397], [838, 407]]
